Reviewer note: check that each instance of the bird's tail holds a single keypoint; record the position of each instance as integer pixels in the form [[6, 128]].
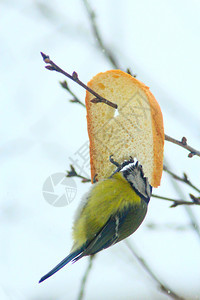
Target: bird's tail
[[72, 256]]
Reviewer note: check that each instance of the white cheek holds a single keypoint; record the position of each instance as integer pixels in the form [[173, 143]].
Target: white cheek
[[138, 183], [131, 178]]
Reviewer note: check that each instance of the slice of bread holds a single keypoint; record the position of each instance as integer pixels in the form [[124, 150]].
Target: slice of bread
[[134, 129]]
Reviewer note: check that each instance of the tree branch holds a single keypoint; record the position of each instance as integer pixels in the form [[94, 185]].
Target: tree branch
[[190, 213], [183, 144], [75, 98], [99, 41], [163, 287], [110, 56], [98, 98], [167, 226], [85, 277], [182, 179], [73, 173], [107, 52], [53, 67], [195, 200]]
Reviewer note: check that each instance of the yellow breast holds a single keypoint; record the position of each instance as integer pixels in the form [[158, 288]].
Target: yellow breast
[[104, 200]]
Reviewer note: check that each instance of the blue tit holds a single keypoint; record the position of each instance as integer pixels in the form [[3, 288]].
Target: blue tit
[[112, 210]]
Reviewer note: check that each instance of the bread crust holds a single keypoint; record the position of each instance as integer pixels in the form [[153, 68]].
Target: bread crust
[[98, 115]]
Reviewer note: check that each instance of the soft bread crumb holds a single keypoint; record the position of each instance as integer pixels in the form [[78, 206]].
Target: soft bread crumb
[[136, 130]]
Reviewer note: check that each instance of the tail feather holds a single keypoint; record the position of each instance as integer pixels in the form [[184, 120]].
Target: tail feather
[[66, 260]]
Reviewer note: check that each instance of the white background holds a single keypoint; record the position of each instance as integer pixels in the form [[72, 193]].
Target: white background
[[40, 129]]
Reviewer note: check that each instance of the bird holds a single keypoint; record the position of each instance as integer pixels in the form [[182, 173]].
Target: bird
[[111, 211]]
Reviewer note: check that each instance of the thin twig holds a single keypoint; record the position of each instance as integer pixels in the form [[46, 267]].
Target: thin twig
[[163, 287], [183, 144], [182, 179], [110, 56], [73, 173], [75, 98], [107, 52], [178, 202], [128, 71], [195, 200], [53, 67], [85, 277], [191, 215], [167, 226]]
